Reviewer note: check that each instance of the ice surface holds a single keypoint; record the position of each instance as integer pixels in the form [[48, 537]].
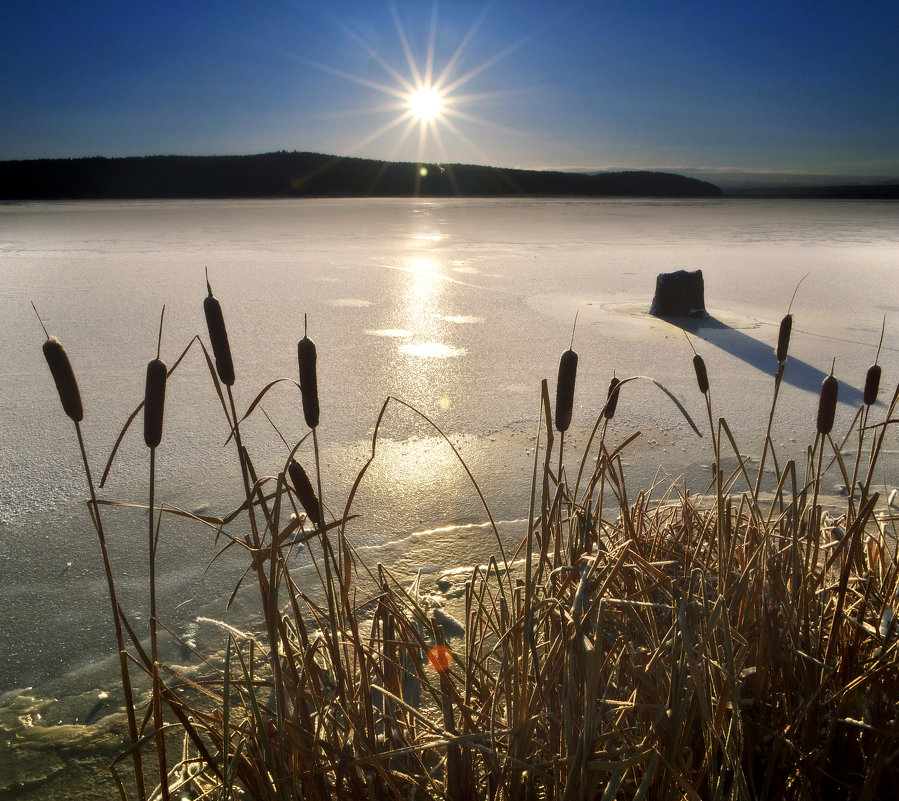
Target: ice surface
[[457, 307]]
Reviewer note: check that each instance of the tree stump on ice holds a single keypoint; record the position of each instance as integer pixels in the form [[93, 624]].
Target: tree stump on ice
[[679, 294]]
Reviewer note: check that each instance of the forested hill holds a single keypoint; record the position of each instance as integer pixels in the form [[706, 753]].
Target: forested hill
[[294, 174]]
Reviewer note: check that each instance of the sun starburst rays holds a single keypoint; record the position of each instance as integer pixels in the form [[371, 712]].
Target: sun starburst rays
[[425, 97]]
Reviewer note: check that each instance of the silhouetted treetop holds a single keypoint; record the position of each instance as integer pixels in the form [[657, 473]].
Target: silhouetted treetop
[[286, 174]]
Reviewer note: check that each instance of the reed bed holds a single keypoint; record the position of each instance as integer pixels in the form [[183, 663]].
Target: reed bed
[[641, 642]]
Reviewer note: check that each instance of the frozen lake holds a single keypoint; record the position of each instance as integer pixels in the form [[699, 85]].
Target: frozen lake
[[458, 307]]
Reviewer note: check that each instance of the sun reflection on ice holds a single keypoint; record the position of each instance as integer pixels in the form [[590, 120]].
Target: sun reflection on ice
[[422, 294], [426, 236], [432, 350], [422, 265], [419, 477], [423, 307], [391, 333], [424, 371]]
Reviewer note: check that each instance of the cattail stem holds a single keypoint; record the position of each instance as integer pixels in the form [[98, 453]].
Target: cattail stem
[[607, 413], [244, 470], [715, 449], [224, 364], [152, 553], [154, 406], [158, 721], [307, 360], [561, 452], [878, 444], [815, 524], [702, 381], [117, 622], [69, 395], [778, 377], [721, 521], [334, 610], [869, 398], [827, 406], [862, 427], [596, 469], [265, 589]]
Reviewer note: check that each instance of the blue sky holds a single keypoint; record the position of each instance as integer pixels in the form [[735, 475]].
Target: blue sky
[[792, 86]]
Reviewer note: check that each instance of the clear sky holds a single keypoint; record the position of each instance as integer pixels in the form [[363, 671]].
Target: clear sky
[[779, 86]]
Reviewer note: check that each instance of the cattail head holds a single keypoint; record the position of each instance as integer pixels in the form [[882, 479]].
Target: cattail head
[[872, 384], [702, 377], [827, 404], [783, 338], [565, 389], [64, 376], [304, 490], [154, 402], [611, 399], [308, 380], [218, 335]]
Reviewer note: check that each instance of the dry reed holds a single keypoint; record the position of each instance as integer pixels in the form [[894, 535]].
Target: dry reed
[[657, 645]]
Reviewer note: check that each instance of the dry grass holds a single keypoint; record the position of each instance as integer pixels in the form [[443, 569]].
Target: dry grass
[[641, 643]]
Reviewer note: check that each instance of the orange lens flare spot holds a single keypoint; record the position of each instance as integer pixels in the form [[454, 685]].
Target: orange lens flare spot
[[440, 658]]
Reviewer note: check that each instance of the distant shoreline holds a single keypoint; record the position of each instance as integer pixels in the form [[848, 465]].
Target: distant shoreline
[[283, 174], [299, 174]]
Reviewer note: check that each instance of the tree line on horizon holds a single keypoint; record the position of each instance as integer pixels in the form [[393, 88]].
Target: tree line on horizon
[[295, 174]]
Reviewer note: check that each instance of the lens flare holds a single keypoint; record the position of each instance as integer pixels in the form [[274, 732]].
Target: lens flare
[[441, 658]]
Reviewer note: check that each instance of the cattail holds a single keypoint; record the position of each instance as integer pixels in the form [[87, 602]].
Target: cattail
[[308, 380], [872, 384], [783, 338], [218, 335], [305, 492], [565, 389], [154, 402], [64, 376], [827, 404], [611, 399], [702, 377]]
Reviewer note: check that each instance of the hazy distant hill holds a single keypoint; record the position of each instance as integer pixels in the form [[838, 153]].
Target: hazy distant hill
[[888, 190], [294, 174]]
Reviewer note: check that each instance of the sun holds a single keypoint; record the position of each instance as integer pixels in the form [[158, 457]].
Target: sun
[[424, 99], [426, 103]]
